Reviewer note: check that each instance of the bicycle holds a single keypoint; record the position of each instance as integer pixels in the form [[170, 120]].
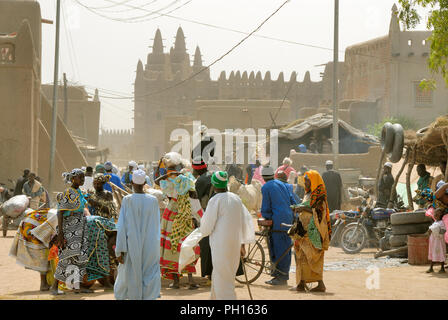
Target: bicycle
[[255, 259]]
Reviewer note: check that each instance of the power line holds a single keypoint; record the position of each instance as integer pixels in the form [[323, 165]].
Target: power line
[[129, 9], [246, 33], [132, 19], [69, 39], [210, 65], [114, 5]]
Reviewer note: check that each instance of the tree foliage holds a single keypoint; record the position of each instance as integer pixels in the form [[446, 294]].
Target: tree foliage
[[437, 21], [406, 123]]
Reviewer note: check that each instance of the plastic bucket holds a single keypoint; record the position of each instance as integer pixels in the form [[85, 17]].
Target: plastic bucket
[[418, 246]]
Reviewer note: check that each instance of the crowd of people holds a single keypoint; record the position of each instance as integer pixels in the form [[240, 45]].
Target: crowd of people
[[132, 247]]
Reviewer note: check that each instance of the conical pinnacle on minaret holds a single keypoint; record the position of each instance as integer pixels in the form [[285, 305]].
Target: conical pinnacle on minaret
[[307, 77], [139, 68], [96, 98], [197, 58], [179, 44], [157, 46]]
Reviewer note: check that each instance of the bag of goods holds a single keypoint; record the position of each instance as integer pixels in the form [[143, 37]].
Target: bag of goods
[[15, 206]]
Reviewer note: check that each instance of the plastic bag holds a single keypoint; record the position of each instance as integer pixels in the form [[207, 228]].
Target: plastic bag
[[187, 255], [15, 206]]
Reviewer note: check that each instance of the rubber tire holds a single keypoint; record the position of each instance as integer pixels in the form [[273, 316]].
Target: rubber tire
[[387, 137], [398, 240], [417, 228], [397, 150], [415, 217], [364, 244]]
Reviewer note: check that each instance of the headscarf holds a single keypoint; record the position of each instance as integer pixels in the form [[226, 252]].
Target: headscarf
[[101, 178], [318, 192], [68, 176]]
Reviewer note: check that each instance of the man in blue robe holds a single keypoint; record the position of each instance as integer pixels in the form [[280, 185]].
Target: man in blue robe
[[138, 245], [276, 206], [113, 177]]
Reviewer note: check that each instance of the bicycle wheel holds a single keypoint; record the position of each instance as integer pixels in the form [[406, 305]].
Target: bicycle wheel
[[253, 262]]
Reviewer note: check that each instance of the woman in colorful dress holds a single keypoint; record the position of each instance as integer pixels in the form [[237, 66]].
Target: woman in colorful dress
[[101, 202], [177, 220], [310, 245], [71, 239]]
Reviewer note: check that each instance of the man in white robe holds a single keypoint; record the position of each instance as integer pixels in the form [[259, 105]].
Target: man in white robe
[[229, 225], [138, 245]]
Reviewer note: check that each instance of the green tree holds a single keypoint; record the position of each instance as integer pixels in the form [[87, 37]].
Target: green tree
[[437, 21]]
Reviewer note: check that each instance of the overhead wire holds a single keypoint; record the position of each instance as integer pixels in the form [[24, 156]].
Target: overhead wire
[[211, 64], [257, 35], [70, 44], [129, 9], [129, 19]]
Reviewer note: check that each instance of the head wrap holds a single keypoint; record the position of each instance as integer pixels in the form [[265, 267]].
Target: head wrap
[[99, 167], [220, 179], [68, 176], [101, 178], [108, 165], [141, 167], [302, 148], [132, 164], [329, 163], [139, 176], [318, 192], [388, 164]]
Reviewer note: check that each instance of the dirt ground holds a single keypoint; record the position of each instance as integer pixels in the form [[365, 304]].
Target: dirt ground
[[345, 276]]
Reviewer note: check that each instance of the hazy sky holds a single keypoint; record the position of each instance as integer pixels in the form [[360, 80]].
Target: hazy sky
[[100, 52]]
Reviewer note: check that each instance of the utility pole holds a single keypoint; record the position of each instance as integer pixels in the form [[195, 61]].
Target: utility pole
[[65, 100], [336, 84], [55, 101]]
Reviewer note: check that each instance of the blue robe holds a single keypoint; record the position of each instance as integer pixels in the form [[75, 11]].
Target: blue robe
[[277, 199], [138, 236], [115, 180]]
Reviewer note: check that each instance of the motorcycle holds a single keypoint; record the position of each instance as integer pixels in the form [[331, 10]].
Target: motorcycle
[[339, 220], [371, 226]]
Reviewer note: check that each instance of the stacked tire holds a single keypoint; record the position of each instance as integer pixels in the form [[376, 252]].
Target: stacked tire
[[404, 224], [392, 141]]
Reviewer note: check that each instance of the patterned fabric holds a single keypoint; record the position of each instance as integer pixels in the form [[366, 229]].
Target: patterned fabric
[[71, 200], [68, 176], [314, 235], [169, 258], [101, 178], [104, 205], [318, 194], [99, 262], [73, 258], [29, 251], [183, 224]]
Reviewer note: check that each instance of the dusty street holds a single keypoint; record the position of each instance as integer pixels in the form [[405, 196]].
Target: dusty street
[[345, 277]]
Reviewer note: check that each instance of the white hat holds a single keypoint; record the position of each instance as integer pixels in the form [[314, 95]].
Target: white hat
[[388, 164], [141, 167], [439, 184], [132, 164], [139, 176], [329, 163]]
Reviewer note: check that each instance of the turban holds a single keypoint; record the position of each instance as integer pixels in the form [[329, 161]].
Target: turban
[[108, 165], [139, 176]]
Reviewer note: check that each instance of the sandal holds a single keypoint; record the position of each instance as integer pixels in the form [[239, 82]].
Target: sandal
[[173, 286]]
